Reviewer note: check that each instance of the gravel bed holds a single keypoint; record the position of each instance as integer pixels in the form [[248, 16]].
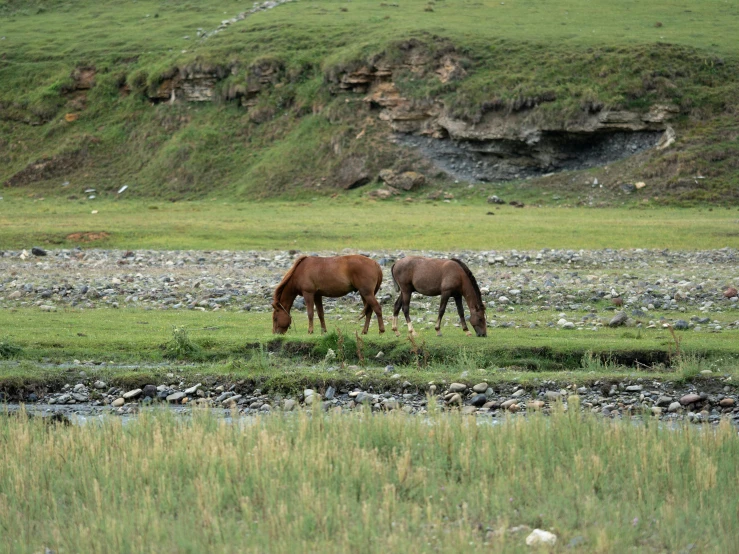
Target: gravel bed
[[704, 402], [566, 288]]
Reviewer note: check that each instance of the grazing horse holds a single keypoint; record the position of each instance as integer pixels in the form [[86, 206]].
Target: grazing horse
[[434, 277], [314, 277]]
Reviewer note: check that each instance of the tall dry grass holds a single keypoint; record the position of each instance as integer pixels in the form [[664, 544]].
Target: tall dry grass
[[365, 483]]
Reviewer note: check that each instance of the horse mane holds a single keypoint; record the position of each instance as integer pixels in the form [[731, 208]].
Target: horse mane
[[286, 279], [472, 279]]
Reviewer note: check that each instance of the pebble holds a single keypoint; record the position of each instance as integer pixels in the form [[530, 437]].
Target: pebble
[[540, 537], [130, 395], [480, 387], [118, 402], [478, 400], [519, 393], [192, 390], [634, 388], [100, 385], [289, 405], [176, 397], [674, 407], [552, 396], [457, 387], [689, 399], [455, 398], [727, 402]]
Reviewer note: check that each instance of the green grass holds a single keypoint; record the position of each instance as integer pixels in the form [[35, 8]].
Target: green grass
[[332, 224], [573, 53], [355, 482], [140, 347]]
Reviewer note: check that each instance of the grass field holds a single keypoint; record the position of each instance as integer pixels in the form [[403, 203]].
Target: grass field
[[334, 224], [366, 484], [139, 347]]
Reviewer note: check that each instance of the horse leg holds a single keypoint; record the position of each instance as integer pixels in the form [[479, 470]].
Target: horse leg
[[407, 311], [374, 305], [319, 309], [396, 310], [460, 311], [442, 308], [308, 297]]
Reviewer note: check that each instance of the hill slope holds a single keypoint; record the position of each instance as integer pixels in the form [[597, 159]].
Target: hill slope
[[182, 99]]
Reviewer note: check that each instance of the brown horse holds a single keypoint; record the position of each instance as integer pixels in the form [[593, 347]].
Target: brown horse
[[434, 277], [314, 277]]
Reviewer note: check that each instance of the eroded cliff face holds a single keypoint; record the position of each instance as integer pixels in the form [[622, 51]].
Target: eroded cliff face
[[521, 138]]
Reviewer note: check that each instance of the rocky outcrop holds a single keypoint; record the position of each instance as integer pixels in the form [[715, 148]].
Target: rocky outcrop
[[407, 180], [192, 83]]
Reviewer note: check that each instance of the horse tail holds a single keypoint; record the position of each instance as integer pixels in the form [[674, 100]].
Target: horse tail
[[395, 281], [472, 279], [286, 279]]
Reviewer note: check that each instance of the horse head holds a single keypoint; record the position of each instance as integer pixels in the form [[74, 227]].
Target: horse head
[[477, 320], [281, 319]]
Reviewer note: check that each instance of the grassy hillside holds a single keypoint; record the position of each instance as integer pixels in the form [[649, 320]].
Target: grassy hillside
[[298, 129]]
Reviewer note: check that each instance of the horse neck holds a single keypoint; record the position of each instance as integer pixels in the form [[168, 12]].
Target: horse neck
[[287, 297], [468, 291]]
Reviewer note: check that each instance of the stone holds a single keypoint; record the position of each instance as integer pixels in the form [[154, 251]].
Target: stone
[[619, 319], [231, 401], [681, 325], [408, 180], [492, 405], [469, 410], [664, 401], [674, 407], [634, 388], [100, 385], [731, 292], [118, 402], [727, 402], [552, 396], [192, 390], [518, 394], [308, 392], [478, 400], [390, 404], [352, 173], [689, 399], [363, 398], [539, 537], [508, 403], [150, 391], [37, 251], [455, 398], [330, 392], [480, 387], [535, 405], [175, 397], [457, 387], [495, 200], [15, 295], [130, 395], [312, 399], [289, 405], [656, 410]]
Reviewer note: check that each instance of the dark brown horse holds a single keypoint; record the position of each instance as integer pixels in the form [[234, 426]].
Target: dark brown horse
[[434, 277], [314, 277]]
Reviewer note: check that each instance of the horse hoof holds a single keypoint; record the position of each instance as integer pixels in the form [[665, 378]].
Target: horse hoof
[[468, 333], [438, 333]]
